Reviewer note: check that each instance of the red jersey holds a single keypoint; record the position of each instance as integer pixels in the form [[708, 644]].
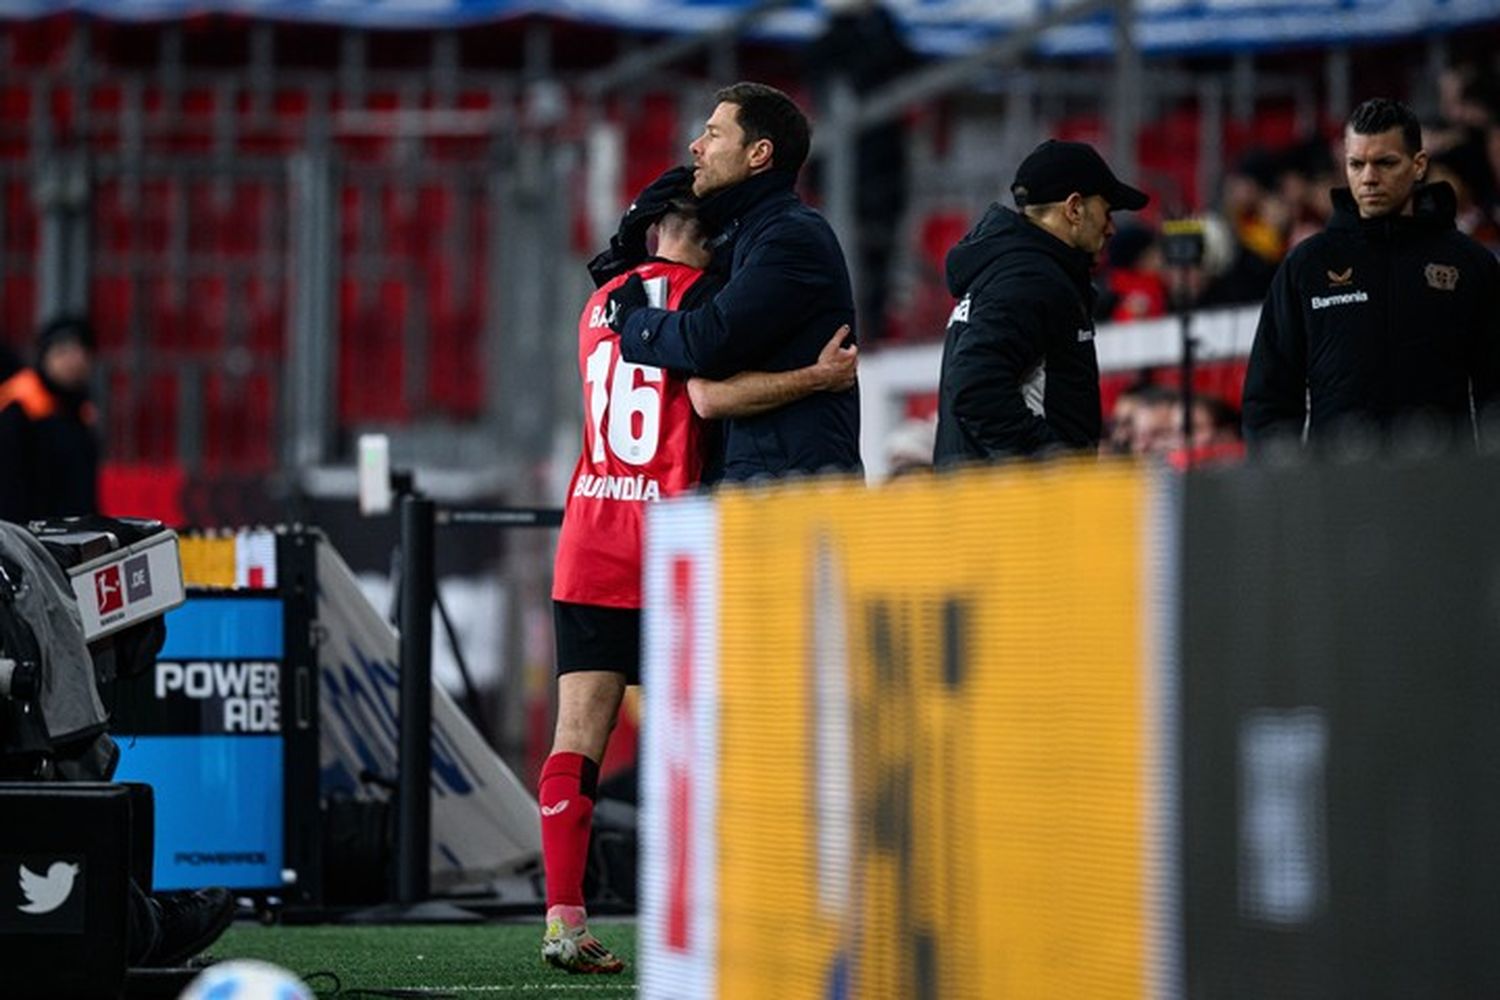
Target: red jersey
[[641, 442]]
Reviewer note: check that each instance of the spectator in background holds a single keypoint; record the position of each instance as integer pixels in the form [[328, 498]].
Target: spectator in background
[[1466, 170], [908, 449], [1019, 374], [863, 46], [1259, 219], [49, 454], [1491, 141], [1467, 95], [1155, 421], [1216, 431], [1465, 145], [1120, 424], [1305, 178], [1388, 317], [1133, 284], [1147, 420]]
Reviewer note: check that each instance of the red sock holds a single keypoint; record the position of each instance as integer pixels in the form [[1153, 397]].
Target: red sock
[[566, 795]]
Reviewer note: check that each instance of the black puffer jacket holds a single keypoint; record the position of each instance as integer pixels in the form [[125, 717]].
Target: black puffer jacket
[[1375, 321], [1019, 374], [786, 293]]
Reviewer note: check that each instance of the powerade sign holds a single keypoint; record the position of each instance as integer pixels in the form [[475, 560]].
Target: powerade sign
[[205, 732], [241, 696]]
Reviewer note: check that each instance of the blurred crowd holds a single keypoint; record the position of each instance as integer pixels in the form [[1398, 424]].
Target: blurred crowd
[[1272, 199], [1148, 419]]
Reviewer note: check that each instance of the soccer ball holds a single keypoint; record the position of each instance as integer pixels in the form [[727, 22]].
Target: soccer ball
[[246, 979]]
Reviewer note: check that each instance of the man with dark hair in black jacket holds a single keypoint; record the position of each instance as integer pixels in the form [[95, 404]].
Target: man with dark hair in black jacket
[[787, 290], [1388, 320], [1019, 372]]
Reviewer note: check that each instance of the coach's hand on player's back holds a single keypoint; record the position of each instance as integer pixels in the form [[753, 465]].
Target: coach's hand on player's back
[[625, 300], [837, 364]]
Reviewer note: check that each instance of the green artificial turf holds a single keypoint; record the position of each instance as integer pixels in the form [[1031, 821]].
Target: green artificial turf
[[486, 960]]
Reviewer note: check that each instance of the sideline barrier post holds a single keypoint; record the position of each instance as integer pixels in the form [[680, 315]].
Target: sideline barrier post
[[420, 518], [414, 757]]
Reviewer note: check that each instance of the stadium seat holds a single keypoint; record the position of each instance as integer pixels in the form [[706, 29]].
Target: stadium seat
[[142, 423], [18, 308], [653, 141], [105, 107], [206, 314], [111, 299], [15, 122], [1167, 151], [455, 323], [244, 220], [20, 233], [372, 354], [265, 325], [163, 322], [152, 208], [924, 315], [238, 424], [114, 218]]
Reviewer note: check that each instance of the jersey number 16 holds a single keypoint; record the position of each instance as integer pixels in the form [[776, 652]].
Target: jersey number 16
[[631, 397]]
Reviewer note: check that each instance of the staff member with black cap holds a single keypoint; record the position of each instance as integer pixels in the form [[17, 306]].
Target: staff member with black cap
[[1019, 373]]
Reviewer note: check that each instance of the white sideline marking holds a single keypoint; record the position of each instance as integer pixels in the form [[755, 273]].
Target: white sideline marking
[[527, 988]]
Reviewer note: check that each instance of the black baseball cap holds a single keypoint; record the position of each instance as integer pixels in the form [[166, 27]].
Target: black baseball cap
[[1056, 169]]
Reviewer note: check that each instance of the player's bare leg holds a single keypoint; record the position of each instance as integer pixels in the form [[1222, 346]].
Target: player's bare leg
[[588, 703]]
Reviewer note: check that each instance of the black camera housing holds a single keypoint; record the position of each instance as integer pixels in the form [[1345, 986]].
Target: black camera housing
[[1182, 243]]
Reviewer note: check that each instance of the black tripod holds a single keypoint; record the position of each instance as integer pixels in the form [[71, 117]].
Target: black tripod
[[1182, 247]]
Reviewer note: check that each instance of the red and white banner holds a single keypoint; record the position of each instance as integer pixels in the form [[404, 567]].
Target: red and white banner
[[678, 923]]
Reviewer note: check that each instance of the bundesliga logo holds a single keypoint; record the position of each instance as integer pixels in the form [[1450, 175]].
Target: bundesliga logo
[[108, 591]]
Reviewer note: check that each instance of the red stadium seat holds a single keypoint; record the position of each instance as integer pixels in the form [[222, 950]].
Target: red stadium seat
[[924, 315], [1167, 151], [40, 43], [110, 301], [114, 218], [20, 236], [206, 314], [372, 354], [18, 310], [266, 321], [252, 203], [15, 122], [455, 363], [142, 423], [238, 424], [653, 142], [153, 211], [164, 322]]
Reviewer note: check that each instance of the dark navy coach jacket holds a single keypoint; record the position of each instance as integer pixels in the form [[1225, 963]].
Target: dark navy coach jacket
[[786, 293]]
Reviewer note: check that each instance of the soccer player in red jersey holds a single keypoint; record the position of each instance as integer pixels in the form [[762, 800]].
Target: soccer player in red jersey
[[643, 439]]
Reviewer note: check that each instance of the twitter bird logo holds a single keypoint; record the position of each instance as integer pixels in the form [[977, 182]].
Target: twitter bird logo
[[45, 893]]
